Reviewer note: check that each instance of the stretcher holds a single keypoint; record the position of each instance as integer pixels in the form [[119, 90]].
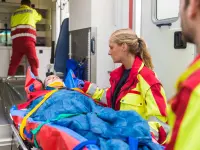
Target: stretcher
[[41, 134], [12, 93]]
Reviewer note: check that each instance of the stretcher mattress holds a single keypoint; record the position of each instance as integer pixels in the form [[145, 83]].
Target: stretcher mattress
[[51, 137], [93, 123]]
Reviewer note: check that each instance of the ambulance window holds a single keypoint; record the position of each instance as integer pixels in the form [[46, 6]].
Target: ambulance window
[[165, 11]]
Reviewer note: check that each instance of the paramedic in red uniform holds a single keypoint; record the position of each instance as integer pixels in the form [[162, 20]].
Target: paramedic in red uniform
[[134, 85], [23, 33], [184, 114]]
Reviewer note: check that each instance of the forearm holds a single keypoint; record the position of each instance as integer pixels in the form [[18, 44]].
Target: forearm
[[95, 92]]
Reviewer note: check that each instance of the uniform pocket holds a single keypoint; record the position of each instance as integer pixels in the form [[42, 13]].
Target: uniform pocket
[[133, 101]]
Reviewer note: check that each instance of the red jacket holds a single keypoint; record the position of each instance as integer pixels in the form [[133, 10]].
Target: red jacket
[[142, 93]]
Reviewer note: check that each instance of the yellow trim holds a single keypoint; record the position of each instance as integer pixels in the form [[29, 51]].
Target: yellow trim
[[188, 72], [78, 90], [188, 135], [23, 123], [142, 65]]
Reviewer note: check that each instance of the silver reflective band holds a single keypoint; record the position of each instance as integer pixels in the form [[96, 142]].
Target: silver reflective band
[[22, 27], [92, 89], [155, 133], [103, 98], [164, 125], [22, 35]]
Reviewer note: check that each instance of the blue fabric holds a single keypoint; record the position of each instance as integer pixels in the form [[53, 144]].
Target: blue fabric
[[109, 128], [62, 48], [133, 143], [83, 144], [28, 135], [71, 81], [77, 67]]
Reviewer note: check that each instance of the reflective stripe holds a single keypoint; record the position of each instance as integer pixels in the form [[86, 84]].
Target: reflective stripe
[[92, 89], [103, 98], [193, 68], [23, 11], [164, 125], [22, 35], [97, 93], [155, 133], [141, 67], [22, 27]]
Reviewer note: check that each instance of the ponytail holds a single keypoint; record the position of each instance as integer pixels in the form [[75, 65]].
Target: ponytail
[[136, 46], [144, 54]]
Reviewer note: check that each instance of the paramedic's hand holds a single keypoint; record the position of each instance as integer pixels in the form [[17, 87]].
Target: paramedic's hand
[[80, 83]]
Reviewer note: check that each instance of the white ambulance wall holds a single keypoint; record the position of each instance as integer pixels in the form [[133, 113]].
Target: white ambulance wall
[[169, 62], [80, 14], [103, 17], [44, 56], [4, 60]]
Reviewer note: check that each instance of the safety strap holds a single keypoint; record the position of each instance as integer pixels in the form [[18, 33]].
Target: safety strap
[[34, 96], [83, 144], [36, 130], [23, 123]]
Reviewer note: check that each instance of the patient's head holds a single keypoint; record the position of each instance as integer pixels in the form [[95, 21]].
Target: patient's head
[[53, 81]]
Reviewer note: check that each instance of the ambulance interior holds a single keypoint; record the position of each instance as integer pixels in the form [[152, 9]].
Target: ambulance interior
[[87, 30]]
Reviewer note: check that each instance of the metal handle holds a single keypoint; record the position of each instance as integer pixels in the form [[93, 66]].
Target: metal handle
[[93, 45]]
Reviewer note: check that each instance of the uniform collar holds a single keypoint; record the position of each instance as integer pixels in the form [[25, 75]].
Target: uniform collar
[[194, 66], [24, 6], [136, 68]]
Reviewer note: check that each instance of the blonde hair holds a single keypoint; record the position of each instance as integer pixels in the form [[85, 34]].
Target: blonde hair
[[136, 45]]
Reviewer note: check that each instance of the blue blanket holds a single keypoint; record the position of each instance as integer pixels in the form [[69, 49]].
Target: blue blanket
[[110, 128]]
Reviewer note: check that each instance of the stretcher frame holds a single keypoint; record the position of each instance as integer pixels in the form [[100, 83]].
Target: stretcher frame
[[17, 140]]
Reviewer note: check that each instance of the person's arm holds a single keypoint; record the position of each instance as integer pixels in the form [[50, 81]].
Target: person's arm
[[95, 92], [156, 112], [184, 120], [37, 16]]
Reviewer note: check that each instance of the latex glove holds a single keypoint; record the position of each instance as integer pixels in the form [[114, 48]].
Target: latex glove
[[80, 83]]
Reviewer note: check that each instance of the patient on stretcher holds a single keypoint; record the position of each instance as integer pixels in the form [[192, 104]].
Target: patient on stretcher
[[74, 110]]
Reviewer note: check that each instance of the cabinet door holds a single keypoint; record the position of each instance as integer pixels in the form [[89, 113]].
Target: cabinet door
[[4, 61]]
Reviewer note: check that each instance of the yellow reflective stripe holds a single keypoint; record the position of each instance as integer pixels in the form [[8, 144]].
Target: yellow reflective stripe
[[188, 72], [188, 135], [23, 123], [97, 93], [142, 65], [100, 95]]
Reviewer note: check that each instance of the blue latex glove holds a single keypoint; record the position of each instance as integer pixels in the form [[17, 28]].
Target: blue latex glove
[[80, 83]]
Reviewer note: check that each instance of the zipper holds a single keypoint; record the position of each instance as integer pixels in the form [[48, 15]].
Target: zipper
[[111, 96]]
